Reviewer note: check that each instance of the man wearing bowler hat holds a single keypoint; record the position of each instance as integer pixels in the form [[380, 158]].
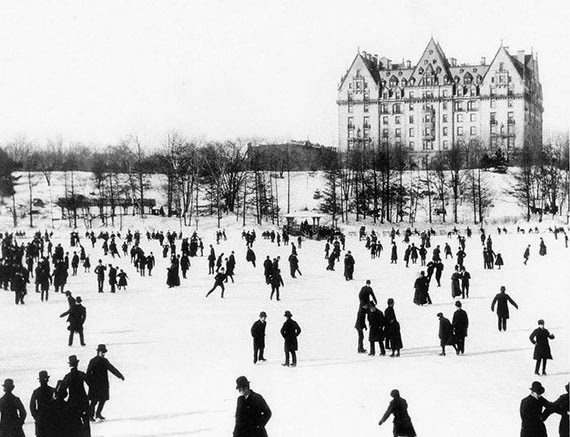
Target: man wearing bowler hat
[[74, 385], [532, 409], [252, 412], [258, 334], [12, 412], [98, 377], [290, 331], [41, 403]]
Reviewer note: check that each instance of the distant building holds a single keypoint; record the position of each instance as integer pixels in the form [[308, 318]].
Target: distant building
[[428, 106], [293, 156]]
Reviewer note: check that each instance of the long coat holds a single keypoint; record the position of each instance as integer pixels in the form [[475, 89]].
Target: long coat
[[73, 383], [41, 404], [531, 416], [98, 377], [13, 416], [402, 423], [392, 330], [502, 300], [290, 331], [252, 414], [460, 323], [376, 325], [560, 406], [445, 332], [258, 333], [539, 338]]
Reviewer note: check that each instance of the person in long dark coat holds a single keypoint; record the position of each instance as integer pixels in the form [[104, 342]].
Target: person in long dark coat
[[542, 248], [403, 426], [375, 329], [438, 266], [41, 404], [258, 334], [12, 412], [98, 378], [100, 272], [445, 333], [502, 300], [394, 255], [360, 326], [252, 412], [460, 324], [250, 256], [276, 282], [560, 406], [77, 403], [531, 410], [456, 283], [293, 265], [290, 331], [526, 254], [421, 285], [499, 261], [348, 266], [392, 330], [267, 269], [539, 337]]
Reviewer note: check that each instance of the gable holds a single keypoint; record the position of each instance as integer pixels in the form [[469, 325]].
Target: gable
[[432, 64]]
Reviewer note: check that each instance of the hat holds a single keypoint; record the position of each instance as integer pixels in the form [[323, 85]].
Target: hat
[[439, 314], [541, 322], [242, 382], [458, 304], [8, 383], [73, 361], [263, 314], [287, 314], [537, 388], [78, 299], [101, 348], [43, 375]]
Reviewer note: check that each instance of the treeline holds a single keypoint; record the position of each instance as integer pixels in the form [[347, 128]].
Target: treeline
[[391, 184], [386, 184]]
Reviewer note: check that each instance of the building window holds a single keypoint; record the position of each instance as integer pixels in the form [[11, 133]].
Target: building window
[[510, 128], [459, 118], [427, 131], [398, 133], [511, 117], [350, 109], [493, 128], [493, 103], [411, 106], [459, 130], [444, 131], [385, 133], [473, 130], [365, 106], [444, 118], [411, 119], [444, 93], [471, 105], [445, 144], [411, 94], [350, 133], [411, 132], [398, 119], [351, 122], [396, 109], [426, 118], [411, 145], [366, 122], [510, 143], [510, 103], [444, 105], [459, 106], [473, 117], [493, 116], [385, 119]]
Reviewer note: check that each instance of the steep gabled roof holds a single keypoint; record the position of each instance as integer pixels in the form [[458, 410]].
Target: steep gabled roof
[[368, 63], [434, 57]]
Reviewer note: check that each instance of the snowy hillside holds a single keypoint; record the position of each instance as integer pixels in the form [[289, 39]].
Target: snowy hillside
[[504, 207]]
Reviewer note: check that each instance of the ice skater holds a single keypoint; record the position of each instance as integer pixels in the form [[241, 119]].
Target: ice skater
[[502, 300], [540, 338], [290, 331], [402, 422]]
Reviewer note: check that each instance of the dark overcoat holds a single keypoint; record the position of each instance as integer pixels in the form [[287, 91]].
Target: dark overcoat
[[376, 325], [502, 300], [258, 333], [252, 414], [460, 323], [12, 414], [402, 423], [290, 331], [445, 332], [539, 338], [98, 377], [531, 416]]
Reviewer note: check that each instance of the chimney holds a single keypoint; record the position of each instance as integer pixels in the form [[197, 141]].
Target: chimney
[[409, 64], [389, 64], [453, 62], [483, 60], [520, 56]]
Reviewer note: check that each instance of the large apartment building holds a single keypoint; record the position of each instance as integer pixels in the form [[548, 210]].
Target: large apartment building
[[437, 102]]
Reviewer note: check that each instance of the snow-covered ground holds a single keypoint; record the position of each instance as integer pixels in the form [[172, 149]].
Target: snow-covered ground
[[181, 352]]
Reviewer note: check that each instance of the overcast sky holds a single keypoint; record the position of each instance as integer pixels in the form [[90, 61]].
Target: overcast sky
[[99, 70]]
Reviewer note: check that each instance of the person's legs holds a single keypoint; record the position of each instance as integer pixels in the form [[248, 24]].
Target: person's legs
[[293, 358], [100, 407]]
